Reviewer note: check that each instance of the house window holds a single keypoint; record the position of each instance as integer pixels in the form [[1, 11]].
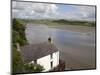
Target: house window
[[51, 64], [35, 61], [51, 56]]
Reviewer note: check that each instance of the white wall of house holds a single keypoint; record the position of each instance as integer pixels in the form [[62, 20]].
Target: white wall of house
[[55, 59], [46, 61]]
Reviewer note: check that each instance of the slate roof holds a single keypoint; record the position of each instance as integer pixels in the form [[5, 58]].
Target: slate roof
[[35, 51]]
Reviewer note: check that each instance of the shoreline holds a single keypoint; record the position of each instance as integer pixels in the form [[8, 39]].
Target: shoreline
[[77, 28]]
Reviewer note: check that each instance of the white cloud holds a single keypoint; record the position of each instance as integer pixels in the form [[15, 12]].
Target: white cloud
[[44, 10], [33, 10]]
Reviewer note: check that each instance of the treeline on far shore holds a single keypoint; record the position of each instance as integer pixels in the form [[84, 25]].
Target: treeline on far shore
[[60, 22], [86, 23]]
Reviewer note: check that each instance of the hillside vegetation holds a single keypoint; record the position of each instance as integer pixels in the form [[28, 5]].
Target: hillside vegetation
[[61, 22], [18, 36]]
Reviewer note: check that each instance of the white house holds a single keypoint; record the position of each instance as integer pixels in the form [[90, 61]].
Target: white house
[[45, 54]]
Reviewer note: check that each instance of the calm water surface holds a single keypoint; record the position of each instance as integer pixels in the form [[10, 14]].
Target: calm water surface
[[77, 49]]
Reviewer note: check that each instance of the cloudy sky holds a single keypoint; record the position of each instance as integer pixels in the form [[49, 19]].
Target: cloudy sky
[[30, 10]]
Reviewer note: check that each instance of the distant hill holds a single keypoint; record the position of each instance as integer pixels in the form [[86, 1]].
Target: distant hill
[[60, 22]]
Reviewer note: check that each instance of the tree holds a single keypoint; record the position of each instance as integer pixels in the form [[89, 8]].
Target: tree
[[18, 36], [18, 66], [18, 32], [33, 68]]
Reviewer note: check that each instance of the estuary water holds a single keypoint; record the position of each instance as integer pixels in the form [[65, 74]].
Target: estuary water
[[77, 49]]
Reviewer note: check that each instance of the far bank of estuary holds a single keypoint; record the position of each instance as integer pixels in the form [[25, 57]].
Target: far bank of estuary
[[75, 43]]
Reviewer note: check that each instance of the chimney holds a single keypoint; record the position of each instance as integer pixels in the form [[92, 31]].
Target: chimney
[[49, 40], [18, 46]]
